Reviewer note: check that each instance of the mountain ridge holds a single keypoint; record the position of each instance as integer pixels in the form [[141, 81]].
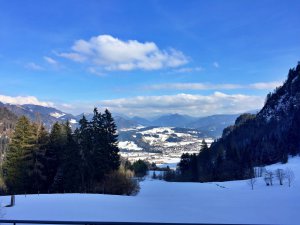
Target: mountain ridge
[[213, 124]]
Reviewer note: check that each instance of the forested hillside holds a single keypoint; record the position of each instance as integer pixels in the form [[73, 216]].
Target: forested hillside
[[7, 124], [86, 160], [254, 140]]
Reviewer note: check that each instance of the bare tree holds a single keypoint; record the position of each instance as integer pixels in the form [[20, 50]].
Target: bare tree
[[280, 175], [259, 171], [269, 175], [290, 176], [251, 182]]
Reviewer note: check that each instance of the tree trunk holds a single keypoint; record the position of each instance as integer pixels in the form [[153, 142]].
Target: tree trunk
[[12, 201]]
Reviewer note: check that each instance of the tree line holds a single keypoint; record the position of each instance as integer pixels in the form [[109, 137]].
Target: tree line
[[85, 161]]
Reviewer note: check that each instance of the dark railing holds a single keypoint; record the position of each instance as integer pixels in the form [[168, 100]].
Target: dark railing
[[14, 222]]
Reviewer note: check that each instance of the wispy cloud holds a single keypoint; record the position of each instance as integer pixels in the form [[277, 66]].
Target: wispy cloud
[[208, 86], [50, 60], [95, 71], [113, 54], [192, 86], [216, 65], [34, 66], [188, 69], [21, 100], [265, 85]]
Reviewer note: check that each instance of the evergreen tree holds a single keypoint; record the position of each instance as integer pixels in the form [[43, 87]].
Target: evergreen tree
[[184, 163], [204, 162], [71, 162], [99, 157], [140, 168], [37, 173], [83, 138], [19, 162], [54, 156], [111, 141]]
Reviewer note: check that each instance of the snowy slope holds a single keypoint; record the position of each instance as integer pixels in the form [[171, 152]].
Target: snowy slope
[[130, 145], [159, 201]]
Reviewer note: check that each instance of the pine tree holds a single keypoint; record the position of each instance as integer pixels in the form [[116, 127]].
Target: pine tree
[[83, 138], [18, 164], [98, 159], [71, 162], [54, 156], [37, 174], [204, 162], [111, 140]]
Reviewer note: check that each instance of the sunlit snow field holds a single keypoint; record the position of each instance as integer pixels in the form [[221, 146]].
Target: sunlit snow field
[[159, 201]]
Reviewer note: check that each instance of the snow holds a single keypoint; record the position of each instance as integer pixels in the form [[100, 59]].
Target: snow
[[156, 130], [57, 114], [73, 121], [132, 128], [130, 145], [159, 201], [183, 135]]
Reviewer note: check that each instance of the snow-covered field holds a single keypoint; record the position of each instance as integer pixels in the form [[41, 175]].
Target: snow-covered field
[[160, 144], [130, 145], [159, 201]]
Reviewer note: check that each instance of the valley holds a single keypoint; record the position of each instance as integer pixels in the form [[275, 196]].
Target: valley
[[160, 144]]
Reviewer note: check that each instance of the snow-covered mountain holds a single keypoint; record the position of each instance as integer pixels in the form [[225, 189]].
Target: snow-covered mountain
[[210, 125], [47, 115]]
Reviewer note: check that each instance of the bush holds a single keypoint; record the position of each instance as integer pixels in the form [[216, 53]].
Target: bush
[[169, 175], [140, 168], [120, 182]]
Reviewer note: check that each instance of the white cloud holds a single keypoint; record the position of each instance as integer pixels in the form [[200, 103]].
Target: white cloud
[[73, 56], [266, 85], [148, 106], [188, 69], [33, 66], [195, 105], [193, 86], [21, 100], [208, 86], [216, 65], [50, 60], [111, 53]]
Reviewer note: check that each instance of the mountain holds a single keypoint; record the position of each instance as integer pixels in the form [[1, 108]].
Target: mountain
[[47, 115], [141, 121], [258, 139], [88, 116], [172, 120], [214, 125], [122, 123], [211, 125]]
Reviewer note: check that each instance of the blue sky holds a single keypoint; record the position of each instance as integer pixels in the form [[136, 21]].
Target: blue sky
[[146, 57]]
